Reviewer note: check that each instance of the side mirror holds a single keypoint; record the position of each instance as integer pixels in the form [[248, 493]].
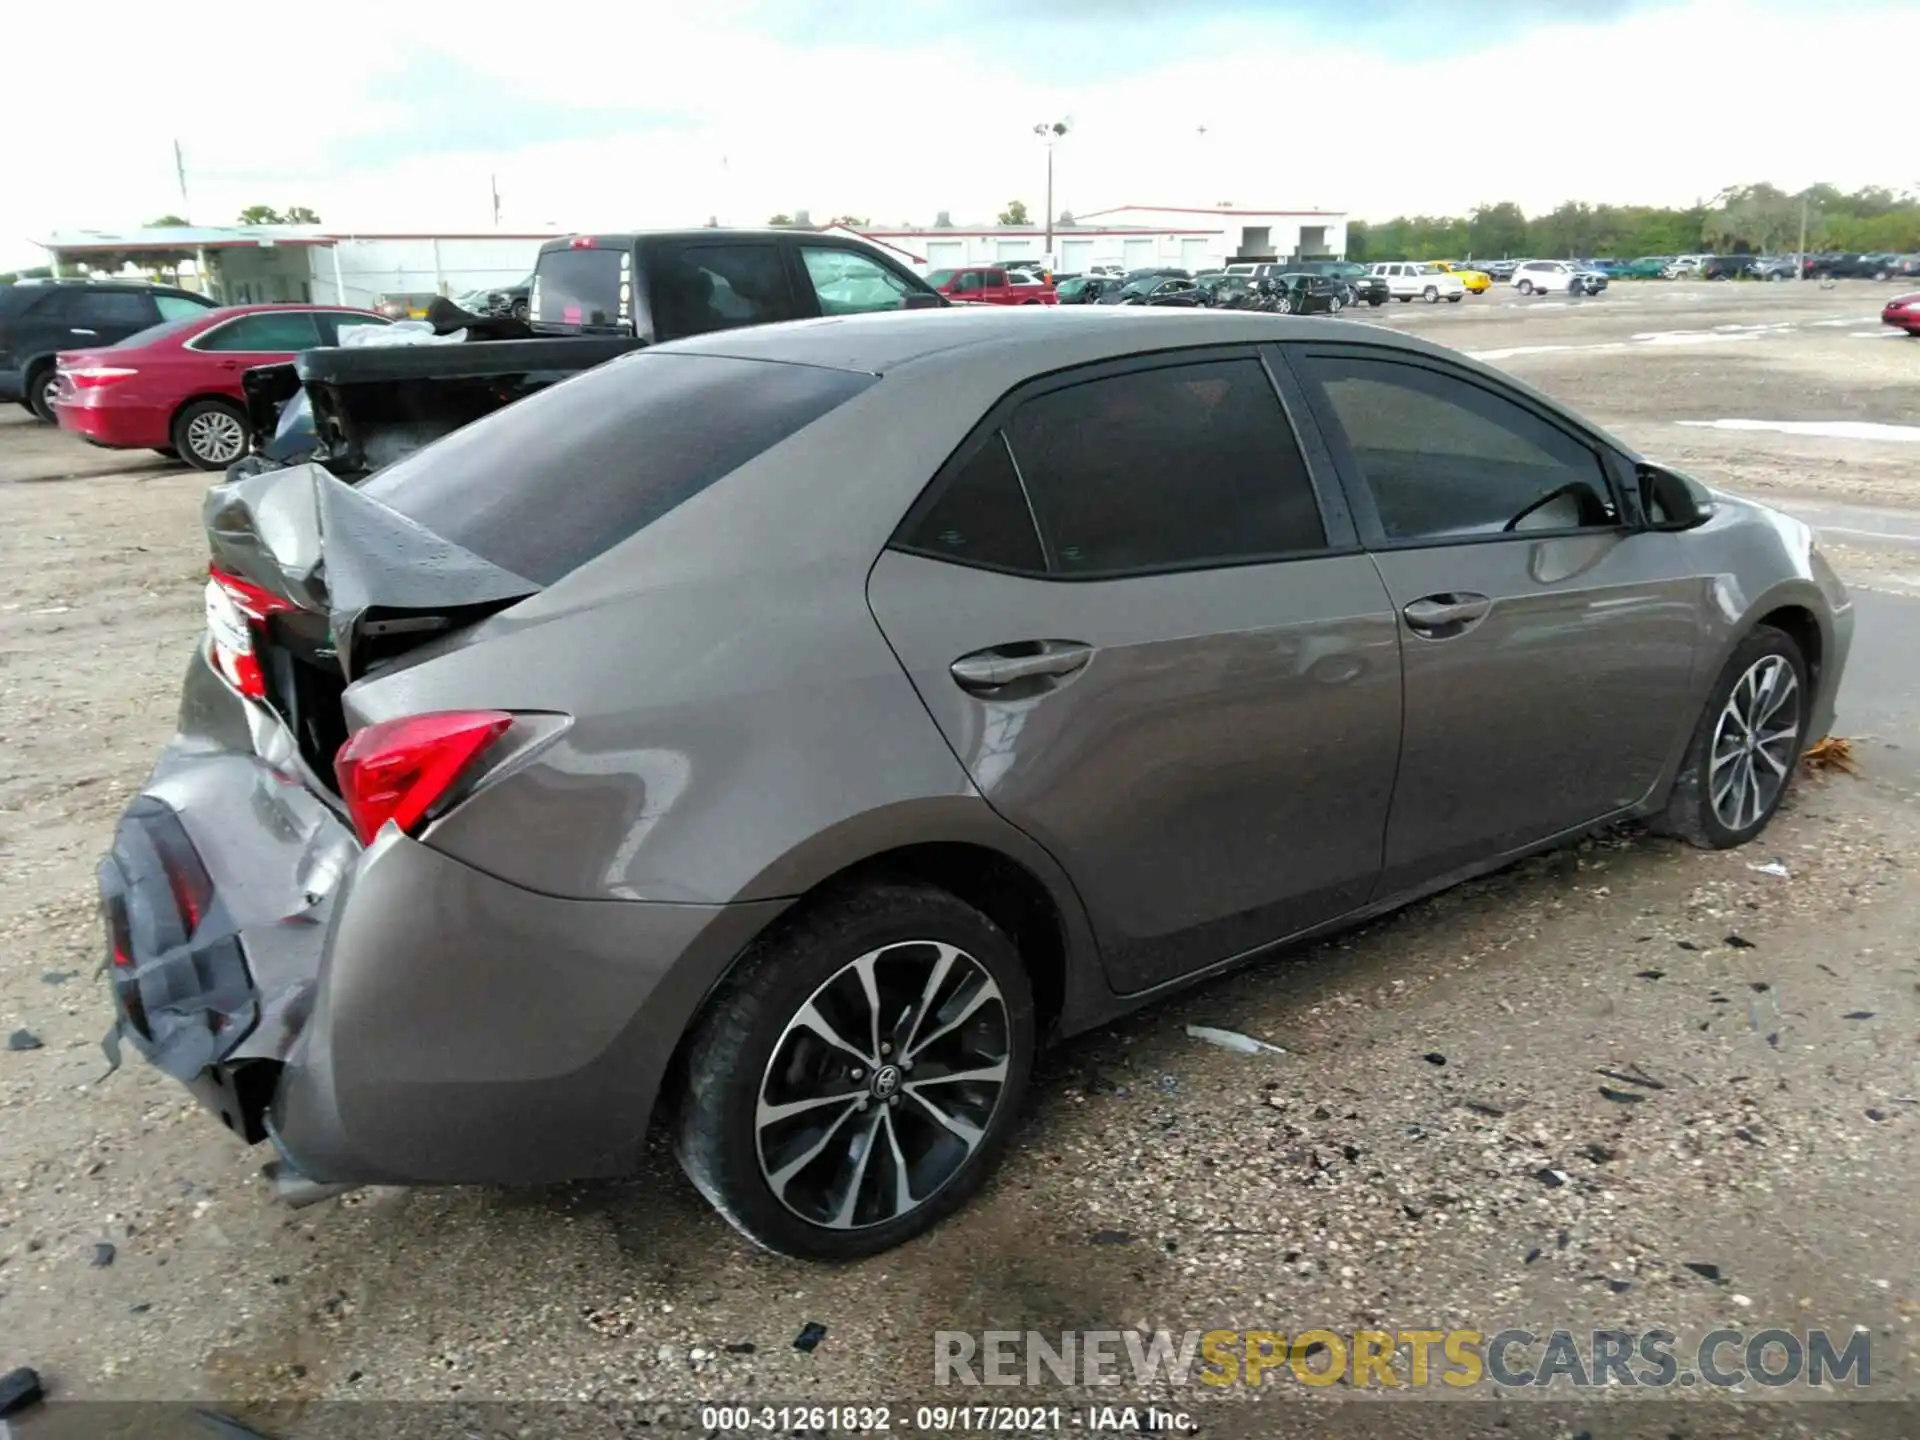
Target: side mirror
[[1672, 501], [923, 300]]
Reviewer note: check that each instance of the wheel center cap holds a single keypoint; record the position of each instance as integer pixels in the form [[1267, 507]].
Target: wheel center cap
[[886, 1081]]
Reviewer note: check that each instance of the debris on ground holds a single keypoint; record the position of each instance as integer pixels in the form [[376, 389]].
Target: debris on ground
[[1111, 1237], [1771, 867], [810, 1336], [1633, 1075], [19, 1389], [1706, 1271], [1858, 1015], [1232, 1040], [1620, 1097], [24, 1040], [1549, 1177], [1833, 753], [103, 1253], [1434, 1057], [1649, 974], [229, 1428], [1738, 942]]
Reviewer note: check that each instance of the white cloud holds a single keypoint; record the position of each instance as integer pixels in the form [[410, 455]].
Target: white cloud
[[1662, 106]]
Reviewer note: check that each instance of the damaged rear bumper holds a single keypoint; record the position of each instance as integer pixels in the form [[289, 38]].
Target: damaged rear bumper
[[388, 1015]]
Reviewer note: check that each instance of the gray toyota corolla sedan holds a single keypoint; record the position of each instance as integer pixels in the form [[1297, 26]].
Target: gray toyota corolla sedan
[[779, 734]]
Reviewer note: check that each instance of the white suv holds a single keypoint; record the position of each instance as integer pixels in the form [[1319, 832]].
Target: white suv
[[1548, 277], [1407, 279]]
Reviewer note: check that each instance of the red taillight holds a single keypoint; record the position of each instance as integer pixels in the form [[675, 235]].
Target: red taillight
[[580, 242], [235, 642], [92, 377], [399, 769], [255, 602]]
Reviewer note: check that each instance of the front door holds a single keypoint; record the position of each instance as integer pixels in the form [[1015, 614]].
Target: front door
[[1123, 607], [1547, 646]]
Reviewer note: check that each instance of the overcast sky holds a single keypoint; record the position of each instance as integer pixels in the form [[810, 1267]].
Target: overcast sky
[[393, 116]]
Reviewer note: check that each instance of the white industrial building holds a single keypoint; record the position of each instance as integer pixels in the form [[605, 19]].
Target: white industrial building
[[1131, 236], [249, 264]]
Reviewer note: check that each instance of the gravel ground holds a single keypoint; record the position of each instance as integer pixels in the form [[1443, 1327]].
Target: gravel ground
[[1436, 1148]]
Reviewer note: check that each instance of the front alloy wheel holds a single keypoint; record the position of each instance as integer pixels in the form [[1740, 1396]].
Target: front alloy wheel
[[859, 1074], [1754, 743], [1745, 748]]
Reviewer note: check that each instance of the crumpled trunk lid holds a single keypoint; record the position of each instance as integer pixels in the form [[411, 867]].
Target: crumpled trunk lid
[[383, 582]]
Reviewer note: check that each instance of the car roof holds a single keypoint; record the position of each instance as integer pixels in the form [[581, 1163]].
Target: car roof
[[1020, 339]]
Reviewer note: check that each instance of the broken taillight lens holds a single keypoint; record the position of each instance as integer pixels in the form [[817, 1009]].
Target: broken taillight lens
[[399, 770], [237, 613]]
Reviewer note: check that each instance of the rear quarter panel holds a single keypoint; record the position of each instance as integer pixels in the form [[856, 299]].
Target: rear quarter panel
[[740, 728]]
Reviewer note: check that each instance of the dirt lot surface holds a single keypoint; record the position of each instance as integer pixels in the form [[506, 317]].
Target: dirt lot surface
[[1438, 1147]]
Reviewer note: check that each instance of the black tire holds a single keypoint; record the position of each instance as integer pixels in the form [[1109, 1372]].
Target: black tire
[[745, 1029], [40, 382], [1404, 299], [1690, 814], [1377, 302], [199, 448], [166, 452], [1431, 295], [1525, 287], [1455, 299]]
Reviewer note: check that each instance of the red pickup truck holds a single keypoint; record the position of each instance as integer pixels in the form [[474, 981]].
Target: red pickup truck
[[991, 285]]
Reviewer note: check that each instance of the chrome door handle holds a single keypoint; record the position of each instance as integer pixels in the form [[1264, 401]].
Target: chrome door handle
[[1033, 659], [1441, 612], [78, 331]]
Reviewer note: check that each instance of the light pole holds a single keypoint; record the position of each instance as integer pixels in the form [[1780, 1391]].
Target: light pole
[[1050, 133]]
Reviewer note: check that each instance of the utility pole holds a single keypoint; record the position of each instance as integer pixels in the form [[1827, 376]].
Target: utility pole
[[493, 183], [1051, 133], [1800, 260], [180, 174]]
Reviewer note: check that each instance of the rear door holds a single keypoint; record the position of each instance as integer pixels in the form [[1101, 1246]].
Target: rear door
[[265, 337], [1158, 650], [1548, 645]]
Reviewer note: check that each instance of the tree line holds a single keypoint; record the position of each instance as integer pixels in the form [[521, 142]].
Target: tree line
[[1744, 219]]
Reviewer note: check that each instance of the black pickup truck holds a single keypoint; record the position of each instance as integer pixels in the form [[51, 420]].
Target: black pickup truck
[[592, 297]]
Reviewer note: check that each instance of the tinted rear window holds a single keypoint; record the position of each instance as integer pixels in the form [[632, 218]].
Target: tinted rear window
[[582, 288], [547, 484]]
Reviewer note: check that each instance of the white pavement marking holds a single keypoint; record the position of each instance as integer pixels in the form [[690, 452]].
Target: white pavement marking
[[1830, 429]]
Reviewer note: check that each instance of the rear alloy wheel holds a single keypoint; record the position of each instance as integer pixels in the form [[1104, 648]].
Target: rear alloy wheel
[[41, 386], [860, 1074], [1431, 295], [210, 434], [1283, 305], [1525, 287], [1746, 747]]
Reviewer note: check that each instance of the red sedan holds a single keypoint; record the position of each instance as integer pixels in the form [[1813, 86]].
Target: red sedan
[[1903, 311], [175, 387]]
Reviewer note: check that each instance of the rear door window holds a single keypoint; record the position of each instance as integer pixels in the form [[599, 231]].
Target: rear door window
[[1177, 467], [699, 288], [546, 484], [268, 333], [123, 311]]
